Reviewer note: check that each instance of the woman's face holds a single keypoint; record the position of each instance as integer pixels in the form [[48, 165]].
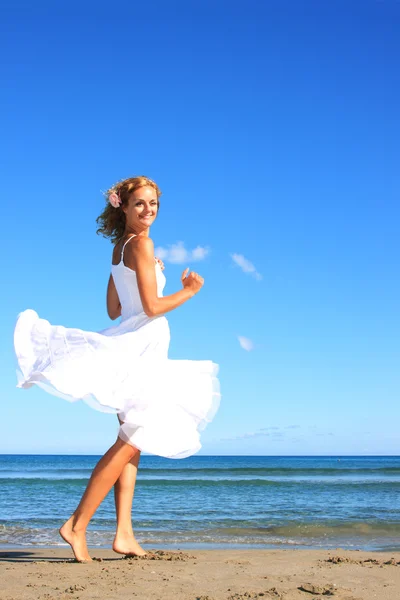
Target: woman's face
[[142, 208]]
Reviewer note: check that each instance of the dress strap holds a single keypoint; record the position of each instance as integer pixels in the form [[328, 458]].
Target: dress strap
[[123, 247]]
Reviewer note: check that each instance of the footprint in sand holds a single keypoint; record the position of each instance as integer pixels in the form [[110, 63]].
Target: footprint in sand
[[75, 588], [270, 594], [162, 555], [337, 560], [327, 590]]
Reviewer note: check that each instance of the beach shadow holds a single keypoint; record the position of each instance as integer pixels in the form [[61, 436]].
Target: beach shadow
[[19, 556]]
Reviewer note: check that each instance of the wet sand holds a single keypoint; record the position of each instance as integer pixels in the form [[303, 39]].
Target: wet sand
[[47, 574]]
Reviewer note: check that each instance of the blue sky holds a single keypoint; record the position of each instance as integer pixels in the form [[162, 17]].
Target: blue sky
[[272, 129]]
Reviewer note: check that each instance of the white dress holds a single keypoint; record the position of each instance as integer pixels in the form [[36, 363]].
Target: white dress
[[124, 369]]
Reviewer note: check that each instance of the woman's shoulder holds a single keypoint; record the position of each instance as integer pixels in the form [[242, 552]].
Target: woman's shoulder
[[140, 246], [143, 242], [137, 244]]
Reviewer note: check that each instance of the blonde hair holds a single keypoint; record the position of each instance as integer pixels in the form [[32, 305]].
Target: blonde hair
[[112, 220]]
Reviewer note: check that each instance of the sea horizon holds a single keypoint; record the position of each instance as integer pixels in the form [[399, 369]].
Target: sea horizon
[[208, 455]]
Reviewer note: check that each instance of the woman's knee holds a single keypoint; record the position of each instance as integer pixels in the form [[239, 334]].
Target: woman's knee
[[135, 452], [130, 450]]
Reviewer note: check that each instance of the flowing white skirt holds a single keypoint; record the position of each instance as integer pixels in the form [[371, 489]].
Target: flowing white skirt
[[164, 404]]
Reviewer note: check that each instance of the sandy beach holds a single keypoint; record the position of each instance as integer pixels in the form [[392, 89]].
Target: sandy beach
[[47, 574]]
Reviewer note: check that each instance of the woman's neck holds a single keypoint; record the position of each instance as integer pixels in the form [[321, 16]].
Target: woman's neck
[[130, 230]]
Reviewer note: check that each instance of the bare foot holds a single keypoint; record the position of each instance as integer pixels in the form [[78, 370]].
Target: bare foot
[[77, 541], [127, 544]]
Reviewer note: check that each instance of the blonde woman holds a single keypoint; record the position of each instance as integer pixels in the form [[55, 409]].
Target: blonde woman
[[162, 404]]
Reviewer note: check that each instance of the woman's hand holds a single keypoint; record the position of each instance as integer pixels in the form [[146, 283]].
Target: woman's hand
[[192, 282], [141, 259], [113, 303], [160, 262]]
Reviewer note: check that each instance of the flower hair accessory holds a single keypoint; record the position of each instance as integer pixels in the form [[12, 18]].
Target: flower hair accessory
[[114, 199]]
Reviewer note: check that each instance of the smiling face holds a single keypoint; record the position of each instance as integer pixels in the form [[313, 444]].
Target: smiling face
[[141, 209]]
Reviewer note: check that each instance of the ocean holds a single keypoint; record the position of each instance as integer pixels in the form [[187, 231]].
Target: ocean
[[231, 502]]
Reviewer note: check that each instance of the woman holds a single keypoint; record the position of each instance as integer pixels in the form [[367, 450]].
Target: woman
[[161, 404]]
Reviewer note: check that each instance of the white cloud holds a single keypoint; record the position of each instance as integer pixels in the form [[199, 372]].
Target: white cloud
[[261, 433], [269, 429], [178, 254], [246, 265], [272, 432], [199, 253], [245, 343]]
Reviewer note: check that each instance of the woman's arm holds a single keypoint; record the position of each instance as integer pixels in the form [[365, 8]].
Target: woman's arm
[[113, 303], [141, 258]]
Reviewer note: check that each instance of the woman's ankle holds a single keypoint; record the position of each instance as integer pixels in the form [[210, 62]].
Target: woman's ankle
[[124, 532], [78, 527]]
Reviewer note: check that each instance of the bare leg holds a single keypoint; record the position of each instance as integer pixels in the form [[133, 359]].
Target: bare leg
[[124, 489], [104, 476]]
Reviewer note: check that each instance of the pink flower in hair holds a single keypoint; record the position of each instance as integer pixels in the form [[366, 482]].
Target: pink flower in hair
[[114, 199]]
